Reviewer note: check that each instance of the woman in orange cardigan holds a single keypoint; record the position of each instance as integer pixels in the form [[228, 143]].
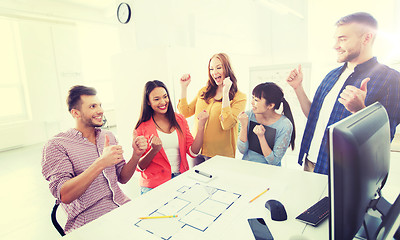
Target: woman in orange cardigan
[[168, 136]]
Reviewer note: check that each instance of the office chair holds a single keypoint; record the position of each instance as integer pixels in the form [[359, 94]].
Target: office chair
[[54, 219], [105, 124]]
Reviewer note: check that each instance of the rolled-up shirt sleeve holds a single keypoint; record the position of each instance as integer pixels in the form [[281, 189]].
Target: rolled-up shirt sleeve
[[56, 167], [120, 165]]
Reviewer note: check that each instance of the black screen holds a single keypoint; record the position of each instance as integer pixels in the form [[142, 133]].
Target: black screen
[[260, 229], [359, 165]]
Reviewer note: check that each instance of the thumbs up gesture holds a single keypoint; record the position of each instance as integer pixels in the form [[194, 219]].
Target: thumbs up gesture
[[295, 78], [353, 98], [139, 144], [112, 154]]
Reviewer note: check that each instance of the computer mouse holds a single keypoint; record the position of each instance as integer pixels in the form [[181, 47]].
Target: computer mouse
[[278, 212]]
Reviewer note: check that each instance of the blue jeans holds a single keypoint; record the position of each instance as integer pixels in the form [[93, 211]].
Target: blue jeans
[[144, 190], [197, 160]]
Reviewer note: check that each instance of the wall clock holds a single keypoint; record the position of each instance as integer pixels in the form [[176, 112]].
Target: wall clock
[[124, 13]]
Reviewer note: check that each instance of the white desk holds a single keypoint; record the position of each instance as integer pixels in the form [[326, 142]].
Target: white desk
[[296, 190]]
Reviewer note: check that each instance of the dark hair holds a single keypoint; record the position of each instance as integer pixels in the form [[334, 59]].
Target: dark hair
[[272, 93], [147, 112], [212, 86], [358, 17], [74, 96]]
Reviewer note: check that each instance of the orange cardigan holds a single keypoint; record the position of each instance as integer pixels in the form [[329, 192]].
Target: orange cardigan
[[159, 170], [221, 131]]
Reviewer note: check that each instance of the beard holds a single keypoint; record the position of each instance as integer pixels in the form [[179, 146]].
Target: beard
[[90, 122], [351, 55]]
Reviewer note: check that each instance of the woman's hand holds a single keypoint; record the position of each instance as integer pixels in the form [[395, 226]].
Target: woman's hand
[[185, 80], [227, 83], [259, 130], [139, 144], [243, 119], [155, 143], [202, 117]]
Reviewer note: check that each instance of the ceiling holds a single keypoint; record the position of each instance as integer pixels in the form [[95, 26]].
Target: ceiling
[[99, 4], [87, 10]]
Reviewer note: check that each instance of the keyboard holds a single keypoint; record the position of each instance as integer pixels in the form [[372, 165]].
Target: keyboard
[[315, 214]]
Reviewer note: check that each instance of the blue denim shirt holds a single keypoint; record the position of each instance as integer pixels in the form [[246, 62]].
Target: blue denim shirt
[[383, 87]]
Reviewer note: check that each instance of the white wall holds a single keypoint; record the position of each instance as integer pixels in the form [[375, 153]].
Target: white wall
[[324, 14], [61, 45], [64, 43], [41, 76], [180, 36]]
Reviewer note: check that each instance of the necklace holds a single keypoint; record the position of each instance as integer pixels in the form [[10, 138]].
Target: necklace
[[162, 130]]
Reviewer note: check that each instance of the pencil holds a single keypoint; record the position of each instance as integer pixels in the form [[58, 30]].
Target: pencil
[[155, 217], [259, 195]]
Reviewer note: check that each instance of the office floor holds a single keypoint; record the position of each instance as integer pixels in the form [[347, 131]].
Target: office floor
[[26, 202]]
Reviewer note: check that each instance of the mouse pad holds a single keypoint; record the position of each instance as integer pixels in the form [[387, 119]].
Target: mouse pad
[[254, 143]]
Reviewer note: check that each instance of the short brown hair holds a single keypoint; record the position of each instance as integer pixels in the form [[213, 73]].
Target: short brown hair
[[74, 96], [358, 17]]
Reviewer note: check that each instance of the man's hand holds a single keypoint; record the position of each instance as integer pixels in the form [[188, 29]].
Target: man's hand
[[139, 144], [73, 188], [112, 154], [353, 98], [295, 78]]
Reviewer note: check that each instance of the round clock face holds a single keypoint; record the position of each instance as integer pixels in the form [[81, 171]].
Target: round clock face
[[124, 13]]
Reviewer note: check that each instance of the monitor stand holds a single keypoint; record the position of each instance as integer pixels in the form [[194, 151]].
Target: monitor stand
[[372, 223], [386, 226]]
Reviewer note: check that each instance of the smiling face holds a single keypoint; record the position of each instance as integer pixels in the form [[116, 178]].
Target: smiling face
[[349, 38], [159, 100], [90, 113], [217, 72], [260, 105]]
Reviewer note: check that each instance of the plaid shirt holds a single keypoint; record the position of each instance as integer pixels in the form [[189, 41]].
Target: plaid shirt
[[67, 155], [383, 87]]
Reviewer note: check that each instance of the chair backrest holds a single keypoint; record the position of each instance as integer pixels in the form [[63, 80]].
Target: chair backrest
[[54, 219]]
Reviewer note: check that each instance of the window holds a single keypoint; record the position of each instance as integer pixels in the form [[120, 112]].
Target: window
[[12, 91]]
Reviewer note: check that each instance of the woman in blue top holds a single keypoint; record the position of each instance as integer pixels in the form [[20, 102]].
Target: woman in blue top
[[267, 98]]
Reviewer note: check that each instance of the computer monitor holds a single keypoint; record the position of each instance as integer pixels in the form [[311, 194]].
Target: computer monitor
[[359, 165]]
